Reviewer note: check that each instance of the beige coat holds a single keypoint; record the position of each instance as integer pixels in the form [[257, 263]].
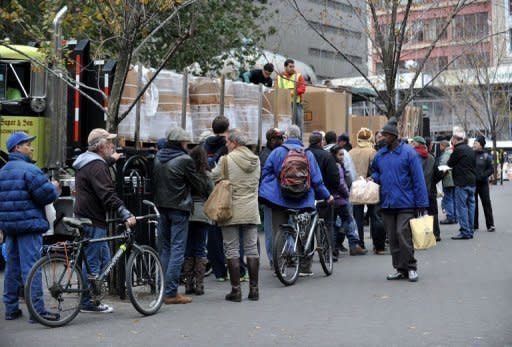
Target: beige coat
[[362, 157], [244, 175]]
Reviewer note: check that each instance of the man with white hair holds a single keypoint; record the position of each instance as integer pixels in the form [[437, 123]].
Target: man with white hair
[[271, 190], [463, 162], [95, 196]]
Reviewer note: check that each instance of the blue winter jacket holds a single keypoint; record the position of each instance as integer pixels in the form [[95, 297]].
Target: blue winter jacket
[[24, 191], [400, 175], [269, 186]]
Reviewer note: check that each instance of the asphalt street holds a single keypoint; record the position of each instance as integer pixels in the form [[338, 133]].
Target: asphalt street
[[463, 298]]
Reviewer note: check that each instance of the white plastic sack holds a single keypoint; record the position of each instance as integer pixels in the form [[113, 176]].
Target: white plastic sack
[[364, 192], [51, 216]]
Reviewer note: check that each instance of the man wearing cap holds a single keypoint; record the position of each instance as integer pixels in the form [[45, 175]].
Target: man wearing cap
[[175, 177], [448, 201], [25, 190], [275, 138], [484, 169], [403, 194], [95, 196], [463, 164]]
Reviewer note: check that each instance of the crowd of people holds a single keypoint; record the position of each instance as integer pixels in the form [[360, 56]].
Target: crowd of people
[[286, 175]]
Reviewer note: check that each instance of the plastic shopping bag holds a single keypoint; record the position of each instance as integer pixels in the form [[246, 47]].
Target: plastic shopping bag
[[364, 192], [422, 229]]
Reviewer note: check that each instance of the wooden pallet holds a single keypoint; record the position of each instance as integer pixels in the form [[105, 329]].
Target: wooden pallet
[[123, 142]]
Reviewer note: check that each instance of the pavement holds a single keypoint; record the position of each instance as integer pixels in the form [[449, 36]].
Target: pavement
[[463, 298]]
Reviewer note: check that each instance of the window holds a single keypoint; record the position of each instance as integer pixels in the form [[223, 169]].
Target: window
[[471, 26], [336, 5], [327, 28], [316, 52]]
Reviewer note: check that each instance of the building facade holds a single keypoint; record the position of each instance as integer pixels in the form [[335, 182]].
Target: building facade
[[341, 22]]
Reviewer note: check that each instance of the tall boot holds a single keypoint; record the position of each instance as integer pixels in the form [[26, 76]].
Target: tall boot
[[199, 269], [253, 265], [234, 277], [188, 272]]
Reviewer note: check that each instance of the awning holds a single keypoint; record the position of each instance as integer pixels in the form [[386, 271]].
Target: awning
[[28, 52]]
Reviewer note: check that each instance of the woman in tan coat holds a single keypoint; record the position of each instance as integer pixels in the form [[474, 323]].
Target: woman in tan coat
[[244, 174]]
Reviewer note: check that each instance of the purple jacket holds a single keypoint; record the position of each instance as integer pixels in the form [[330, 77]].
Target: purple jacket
[[342, 193]]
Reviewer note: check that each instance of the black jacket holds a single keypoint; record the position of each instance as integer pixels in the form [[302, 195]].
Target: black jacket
[[328, 168], [432, 174], [176, 178], [484, 167], [264, 155], [463, 163], [215, 147]]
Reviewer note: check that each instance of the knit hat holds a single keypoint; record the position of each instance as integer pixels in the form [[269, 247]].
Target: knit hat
[[344, 137], [481, 139], [419, 139], [364, 134], [391, 127], [315, 138], [178, 135]]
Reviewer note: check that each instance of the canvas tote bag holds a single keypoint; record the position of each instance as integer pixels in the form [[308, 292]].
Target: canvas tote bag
[[219, 206]]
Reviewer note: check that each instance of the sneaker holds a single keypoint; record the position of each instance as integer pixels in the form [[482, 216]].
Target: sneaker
[[244, 278], [491, 229], [47, 316], [14, 315], [101, 308], [178, 299], [306, 273], [221, 279], [413, 276]]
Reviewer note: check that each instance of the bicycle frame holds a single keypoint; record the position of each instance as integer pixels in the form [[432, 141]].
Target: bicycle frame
[[299, 228]]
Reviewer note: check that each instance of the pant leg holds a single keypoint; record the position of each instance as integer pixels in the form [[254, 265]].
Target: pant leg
[[199, 235], [250, 240], [164, 240], [279, 217], [462, 211], [178, 241], [485, 197], [93, 255], [29, 247], [406, 258], [231, 238], [299, 117], [448, 203], [377, 228], [470, 191], [433, 211], [243, 265], [359, 219], [267, 227], [390, 225], [475, 220], [189, 248], [349, 225], [215, 248], [12, 276]]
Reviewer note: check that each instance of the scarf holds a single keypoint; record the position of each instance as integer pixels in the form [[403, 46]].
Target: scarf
[[422, 150]]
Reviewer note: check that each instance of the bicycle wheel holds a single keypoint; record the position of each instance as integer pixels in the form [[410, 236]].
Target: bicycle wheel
[[145, 280], [61, 286], [286, 260], [324, 247]]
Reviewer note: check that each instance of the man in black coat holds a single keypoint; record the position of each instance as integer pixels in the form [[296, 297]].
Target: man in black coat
[[462, 161], [259, 76], [484, 169]]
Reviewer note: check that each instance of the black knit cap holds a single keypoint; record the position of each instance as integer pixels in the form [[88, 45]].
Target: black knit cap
[[481, 139], [391, 127]]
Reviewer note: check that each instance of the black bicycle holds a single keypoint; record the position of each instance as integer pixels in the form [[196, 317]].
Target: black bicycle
[[60, 271], [294, 242]]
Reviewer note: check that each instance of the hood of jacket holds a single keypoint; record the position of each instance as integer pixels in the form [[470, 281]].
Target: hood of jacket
[[213, 143], [86, 158], [244, 159], [166, 154]]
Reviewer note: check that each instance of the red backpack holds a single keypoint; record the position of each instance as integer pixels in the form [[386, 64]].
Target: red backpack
[[295, 175]]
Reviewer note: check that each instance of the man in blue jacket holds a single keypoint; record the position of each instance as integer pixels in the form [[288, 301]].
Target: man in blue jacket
[[403, 193], [271, 193], [24, 191]]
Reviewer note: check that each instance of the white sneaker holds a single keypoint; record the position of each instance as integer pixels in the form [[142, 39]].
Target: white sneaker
[[101, 308], [306, 274]]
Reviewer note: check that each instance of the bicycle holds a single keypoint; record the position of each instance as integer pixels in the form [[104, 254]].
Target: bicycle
[[60, 273], [294, 242]]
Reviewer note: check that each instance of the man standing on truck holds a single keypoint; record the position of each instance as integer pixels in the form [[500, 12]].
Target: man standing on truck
[[294, 81]]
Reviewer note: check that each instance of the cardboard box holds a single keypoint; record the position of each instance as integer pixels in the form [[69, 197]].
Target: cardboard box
[[374, 123], [277, 102], [327, 110]]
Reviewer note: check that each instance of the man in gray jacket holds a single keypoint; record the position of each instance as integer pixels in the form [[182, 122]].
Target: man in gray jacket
[[448, 201]]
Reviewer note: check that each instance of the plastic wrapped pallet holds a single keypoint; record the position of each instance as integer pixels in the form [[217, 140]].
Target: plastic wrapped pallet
[[246, 110], [271, 104]]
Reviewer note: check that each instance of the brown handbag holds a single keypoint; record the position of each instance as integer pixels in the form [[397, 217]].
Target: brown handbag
[[219, 206]]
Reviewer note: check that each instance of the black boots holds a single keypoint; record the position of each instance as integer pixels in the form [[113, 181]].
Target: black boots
[[188, 272], [199, 268], [253, 265], [234, 277]]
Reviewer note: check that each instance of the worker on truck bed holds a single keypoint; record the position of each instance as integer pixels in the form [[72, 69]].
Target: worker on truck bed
[[259, 76], [294, 81]]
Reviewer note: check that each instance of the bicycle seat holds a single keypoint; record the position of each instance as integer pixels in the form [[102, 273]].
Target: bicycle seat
[[76, 222]]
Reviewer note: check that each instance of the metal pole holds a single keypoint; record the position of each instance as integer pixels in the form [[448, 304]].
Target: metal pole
[[222, 92], [137, 109], [184, 98], [260, 119]]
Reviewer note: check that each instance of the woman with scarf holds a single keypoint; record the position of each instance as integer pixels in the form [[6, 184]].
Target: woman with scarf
[[362, 156], [432, 177]]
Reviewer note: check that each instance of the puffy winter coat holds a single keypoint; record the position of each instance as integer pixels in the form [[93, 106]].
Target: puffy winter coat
[[400, 175], [244, 175], [269, 187], [342, 192], [24, 191]]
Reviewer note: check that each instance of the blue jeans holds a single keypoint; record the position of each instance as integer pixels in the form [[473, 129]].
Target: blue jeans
[[215, 245], [23, 251], [196, 240], [298, 117], [267, 228], [448, 203], [349, 225], [97, 255], [465, 202], [172, 235]]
